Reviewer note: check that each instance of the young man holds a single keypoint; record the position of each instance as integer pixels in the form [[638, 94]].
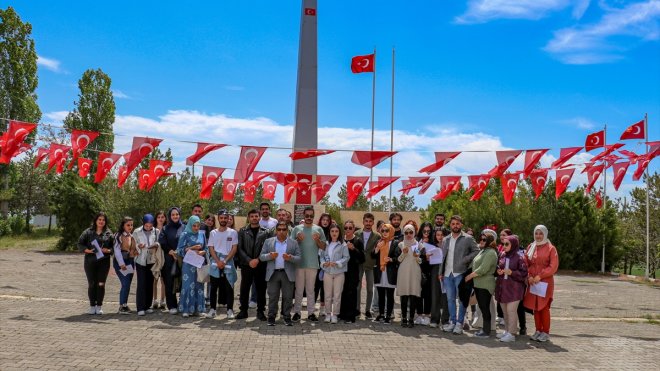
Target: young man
[[311, 238], [250, 242], [266, 221], [281, 217], [223, 244], [395, 220], [281, 253], [439, 220], [369, 239]]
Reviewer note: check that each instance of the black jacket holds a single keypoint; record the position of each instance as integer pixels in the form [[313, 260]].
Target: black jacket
[[249, 247], [105, 240], [392, 268], [169, 236]]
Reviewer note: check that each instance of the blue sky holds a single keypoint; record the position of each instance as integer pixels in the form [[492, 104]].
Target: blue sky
[[470, 75]]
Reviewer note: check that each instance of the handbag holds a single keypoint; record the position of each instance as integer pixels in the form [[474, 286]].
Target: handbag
[[203, 273]]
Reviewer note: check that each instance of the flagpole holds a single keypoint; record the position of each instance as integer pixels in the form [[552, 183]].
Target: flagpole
[[373, 118], [602, 264], [646, 136], [389, 200]]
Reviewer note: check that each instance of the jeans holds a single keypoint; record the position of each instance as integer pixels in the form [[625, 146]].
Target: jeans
[[97, 273], [124, 280], [145, 287], [451, 283]]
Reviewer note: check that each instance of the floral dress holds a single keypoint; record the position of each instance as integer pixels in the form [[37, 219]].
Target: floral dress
[[191, 299]]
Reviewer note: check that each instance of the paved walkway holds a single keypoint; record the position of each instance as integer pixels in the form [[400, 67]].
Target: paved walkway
[[598, 323]]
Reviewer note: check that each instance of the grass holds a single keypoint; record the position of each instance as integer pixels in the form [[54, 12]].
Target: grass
[[586, 281], [638, 271], [39, 239]]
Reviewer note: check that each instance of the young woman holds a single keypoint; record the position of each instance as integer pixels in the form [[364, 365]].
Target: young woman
[[542, 263], [191, 301], [349, 295], [149, 261], [334, 261], [483, 270], [319, 288], [409, 277], [96, 264], [504, 233], [169, 241], [510, 285], [161, 220], [386, 255], [125, 251], [425, 235], [439, 308]]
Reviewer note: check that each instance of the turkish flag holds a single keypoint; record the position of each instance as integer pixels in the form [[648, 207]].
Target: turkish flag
[[258, 176], [144, 178], [142, 147], [619, 170], [105, 163], [478, 183], [310, 11], [289, 191], [41, 155], [304, 189], [158, 169], [80, 139], [610, 160], [363, 63], [405, 183], [310, 153], [122, 176], [249, 191], [269, 188], [426, 186], [57, 155], [539, 179], [16, 133], [642, 163], [382, 183], [654, 149], [509, 183], [448, 184], [563, 177], [504, 159], [202, 150], [599, 200], [413, 182], [607, 150], [210, 176], [532, 157], [24, 147], [354, 186], [592, 176], [283, 178], [632, 156], [248, 160], [84, 165], [228, 189], [565, 154], [587, 166], [441, 159], [594, 140], [634, 131], [370, 159], [322, 186]]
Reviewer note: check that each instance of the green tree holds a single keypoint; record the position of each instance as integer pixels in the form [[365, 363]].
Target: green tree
[[18, 83], [362, 203]]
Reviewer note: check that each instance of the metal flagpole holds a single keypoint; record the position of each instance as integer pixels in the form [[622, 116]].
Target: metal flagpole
[[373, 119], [389, 200], [646, 139], [602, 264]]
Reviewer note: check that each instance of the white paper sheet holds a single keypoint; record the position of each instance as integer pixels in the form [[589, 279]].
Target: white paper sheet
[[194, 259], [129, 269], [97, 250], [434, 253], [539, 289]]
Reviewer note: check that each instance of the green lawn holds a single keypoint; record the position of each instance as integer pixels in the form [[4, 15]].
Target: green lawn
[[639, 271], [39, 238]]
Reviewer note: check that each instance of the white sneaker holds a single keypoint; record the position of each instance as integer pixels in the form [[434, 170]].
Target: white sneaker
[[448, 327], [173, 311], [543, 337], [91, 310], [418, 320], [252, 305], [535, 336], [499, 336], [334, 320], [322, 311], [230, 314], [475, 319], [328, 319], [426, 321], [186, 315], [141, 313], [149, 311], [211, 313], [458, 329], [99, 310], [433, 325], [508, 338]]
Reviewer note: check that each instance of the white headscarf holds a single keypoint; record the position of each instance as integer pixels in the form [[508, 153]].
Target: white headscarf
[[409, 241], [532, 247]]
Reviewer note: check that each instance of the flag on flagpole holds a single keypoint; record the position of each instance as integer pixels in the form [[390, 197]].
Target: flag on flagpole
[[363, 63]]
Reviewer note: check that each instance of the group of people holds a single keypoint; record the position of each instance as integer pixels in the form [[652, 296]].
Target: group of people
[[437, 272]]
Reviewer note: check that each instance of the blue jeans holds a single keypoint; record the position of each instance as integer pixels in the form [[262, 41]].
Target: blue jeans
[[451, 283], [124, 280]]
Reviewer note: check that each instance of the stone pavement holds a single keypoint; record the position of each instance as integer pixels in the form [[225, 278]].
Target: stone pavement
[[598, 323]]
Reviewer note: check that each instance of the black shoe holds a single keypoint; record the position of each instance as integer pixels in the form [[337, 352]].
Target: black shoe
[[523, 331], [379, 318], [411, 323], [312, 317], [242, 315], [124, 310], [482, 334], [404, 323], [387, 320], [287, 322], [349, 321], [367, 315], [296, 317], [271, 321], [261, 316]]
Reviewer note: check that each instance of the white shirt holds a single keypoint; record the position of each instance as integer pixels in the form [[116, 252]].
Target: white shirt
[[268, 224], [449, 263], [280, 248], [366, 236], [222, 242], [331, 248]]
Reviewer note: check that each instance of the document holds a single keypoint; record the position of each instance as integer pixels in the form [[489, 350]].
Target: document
[[434, 253], [129, 270], [97, 250], [193, 259], [539, 289]]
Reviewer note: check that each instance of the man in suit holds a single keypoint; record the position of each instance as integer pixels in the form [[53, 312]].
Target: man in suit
[[369, 238], [250, 243], [458, 249], [281, 254]]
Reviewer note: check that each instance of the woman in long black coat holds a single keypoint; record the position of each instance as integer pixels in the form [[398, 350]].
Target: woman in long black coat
[[348, 311]]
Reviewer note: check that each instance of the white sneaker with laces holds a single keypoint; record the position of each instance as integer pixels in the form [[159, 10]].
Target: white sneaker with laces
[[426, 321], [508, 338], [458, 329], [535, 336], [418, 320], [328, 319], [475, 319], [149, 311], [433, 325], [543, 337], [448, 327], [499, 336], [99, 310], [334, 320], [91, 310], [141, 313], [173, 311], [230, 314], [211, 313]]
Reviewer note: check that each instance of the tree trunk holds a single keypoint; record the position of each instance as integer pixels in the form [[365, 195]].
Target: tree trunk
[[50, 222]]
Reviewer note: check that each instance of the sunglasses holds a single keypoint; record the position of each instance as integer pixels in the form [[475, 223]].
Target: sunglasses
[[308, 216], [408, 232], [385, 230], [483, 239], [282, 229], [506, 244], [349, 228], [426, 231]]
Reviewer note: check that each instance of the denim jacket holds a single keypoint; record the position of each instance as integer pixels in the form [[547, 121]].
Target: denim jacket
[[340, 256]]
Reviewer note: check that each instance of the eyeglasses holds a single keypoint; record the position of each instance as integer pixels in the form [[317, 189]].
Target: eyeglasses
[[349, 228], [385, 230], [309, 216], [426, 231], [483, 239], [282, 229], [408, 232]]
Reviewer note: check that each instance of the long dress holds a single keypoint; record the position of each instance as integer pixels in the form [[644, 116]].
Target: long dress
[[191, 299], [350, 292]]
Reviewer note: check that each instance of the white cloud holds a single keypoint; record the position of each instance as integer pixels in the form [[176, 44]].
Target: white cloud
[[118, 94], [481, 11], [56, 115], [580, 123], [49, 64], [593, 43]]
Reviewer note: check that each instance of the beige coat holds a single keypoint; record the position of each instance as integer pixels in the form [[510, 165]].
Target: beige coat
[[409, 278]]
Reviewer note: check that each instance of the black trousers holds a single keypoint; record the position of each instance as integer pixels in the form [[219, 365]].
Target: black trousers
[[439, 307], [145, 287], [221, 287], [96, 272], [424, 303], [500, 312], [258, 276], [385, 292], [168, 279], [483, 299], [318, 289], [405, 300]]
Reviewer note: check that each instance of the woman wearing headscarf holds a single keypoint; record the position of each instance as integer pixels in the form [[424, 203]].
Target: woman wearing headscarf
[[97, 263], [386, 256], [348, 310], [147, 264], [191, 301], [409, 276], [510, 285], [125, 251], [542, 263], [424, 236], [483, 270], [169, 241]]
